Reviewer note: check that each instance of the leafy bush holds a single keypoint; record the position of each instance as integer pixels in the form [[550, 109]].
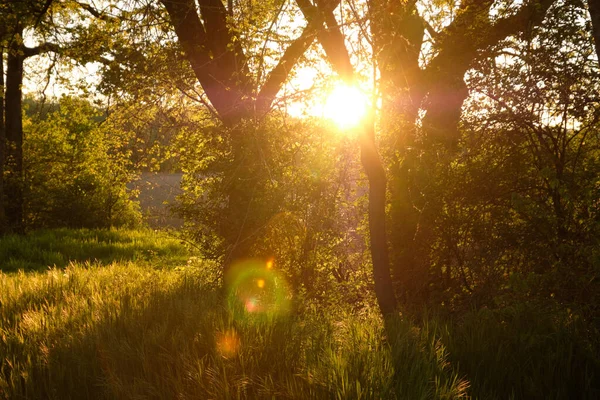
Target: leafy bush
[[75, 173]]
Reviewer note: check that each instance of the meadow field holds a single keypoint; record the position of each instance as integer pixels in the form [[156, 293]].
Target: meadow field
[[118, 314]]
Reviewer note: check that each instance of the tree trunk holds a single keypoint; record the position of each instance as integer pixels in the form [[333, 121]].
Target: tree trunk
[[594, 9], [3, 226], [14, 139], [248, 209], [332, 42], [377, 225], [239, 216]]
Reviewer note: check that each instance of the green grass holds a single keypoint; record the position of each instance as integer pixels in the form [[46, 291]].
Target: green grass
[[47, 248], [526, 351], [118, 325], [124, 331]]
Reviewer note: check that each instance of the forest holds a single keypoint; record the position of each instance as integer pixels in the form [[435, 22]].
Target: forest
[[377, 199]]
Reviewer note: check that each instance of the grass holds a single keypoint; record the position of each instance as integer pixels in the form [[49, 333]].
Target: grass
[[122, 326], [59, 247], [526, 351]]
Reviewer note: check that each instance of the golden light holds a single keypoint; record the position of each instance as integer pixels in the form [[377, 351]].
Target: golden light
[[260, 283], [269, 264], [252, 305], [346, 106], [228, 343]]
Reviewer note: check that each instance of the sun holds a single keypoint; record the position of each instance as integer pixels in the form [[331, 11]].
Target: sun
[[346, 106]]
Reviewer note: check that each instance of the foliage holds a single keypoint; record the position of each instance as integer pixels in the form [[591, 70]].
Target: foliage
[[75, 172], [304, 183], [515, 209]]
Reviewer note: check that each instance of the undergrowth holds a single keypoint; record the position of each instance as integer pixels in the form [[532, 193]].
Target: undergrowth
[[123, 329]]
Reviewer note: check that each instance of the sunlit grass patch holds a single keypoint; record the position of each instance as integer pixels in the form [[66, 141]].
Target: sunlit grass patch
[[106, 330], [46, 248], [127, 330]]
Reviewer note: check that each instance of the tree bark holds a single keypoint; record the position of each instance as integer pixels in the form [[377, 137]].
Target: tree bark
[[594, 10], [375, 171], [14, 138], [438, 91], [3, 227], [333, 44], [221, 67]]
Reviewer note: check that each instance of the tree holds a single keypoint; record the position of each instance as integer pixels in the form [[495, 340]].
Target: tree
[[436, 90], [222, 66], [75, 169], [422, 107], [534, 127], [334, 46], [18, 16]]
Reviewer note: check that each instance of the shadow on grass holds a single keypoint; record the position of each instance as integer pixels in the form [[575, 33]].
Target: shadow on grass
[[39, 250], [124, 332], [525, 351], [159, 338]]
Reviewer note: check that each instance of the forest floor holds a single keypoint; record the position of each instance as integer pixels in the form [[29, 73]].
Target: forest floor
[[119, 314]]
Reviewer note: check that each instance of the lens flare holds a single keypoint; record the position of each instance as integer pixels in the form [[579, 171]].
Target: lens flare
[[251, 305], [256, 289], [228, 343]]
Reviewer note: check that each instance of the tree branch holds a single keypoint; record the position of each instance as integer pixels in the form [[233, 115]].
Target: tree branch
[[472, 30], [530, 14], [42, 48], [279, 74], [96, 13], [432, 32], [331, 39]]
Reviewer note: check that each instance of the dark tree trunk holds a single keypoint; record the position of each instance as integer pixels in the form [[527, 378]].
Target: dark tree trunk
[[438, 90], [14, 139], [3, 226], [243, 216], [594, 9], [333, 43], [377, 220], [402, 94]]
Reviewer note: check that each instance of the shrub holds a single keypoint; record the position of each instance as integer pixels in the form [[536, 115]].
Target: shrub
[[75, 173]]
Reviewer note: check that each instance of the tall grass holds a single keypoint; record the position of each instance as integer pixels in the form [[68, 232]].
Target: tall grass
[[111, 325], [125, 331], [525, 351], [109, 322], [46, 248]]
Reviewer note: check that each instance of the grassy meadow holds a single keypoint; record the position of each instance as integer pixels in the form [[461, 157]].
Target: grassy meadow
[[117, 314]]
